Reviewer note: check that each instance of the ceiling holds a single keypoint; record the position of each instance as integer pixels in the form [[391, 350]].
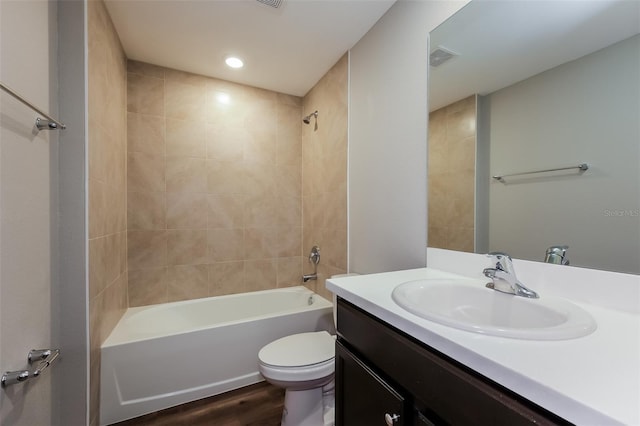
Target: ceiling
[[285, 49], [502, 42]]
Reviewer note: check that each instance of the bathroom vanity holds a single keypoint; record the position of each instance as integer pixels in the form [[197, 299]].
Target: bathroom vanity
[[394, 367], [383, 375]]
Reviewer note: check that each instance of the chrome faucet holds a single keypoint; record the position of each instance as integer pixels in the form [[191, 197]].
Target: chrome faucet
[[557, 255], [309, 277], [314, 257], [504, 278]]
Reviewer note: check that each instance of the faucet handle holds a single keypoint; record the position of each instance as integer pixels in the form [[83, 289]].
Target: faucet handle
[[498, 255], [502, 261], [314, 255]]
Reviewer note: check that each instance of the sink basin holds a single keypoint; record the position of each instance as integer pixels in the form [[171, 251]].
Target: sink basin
[[468, 305]]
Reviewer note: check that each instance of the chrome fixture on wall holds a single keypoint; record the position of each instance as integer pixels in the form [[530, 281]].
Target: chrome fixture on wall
[[307, 119], [44, 357], [580, 167], [49, 124], [314, 257]]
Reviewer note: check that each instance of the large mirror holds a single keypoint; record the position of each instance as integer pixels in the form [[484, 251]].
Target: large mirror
[[518, 88]]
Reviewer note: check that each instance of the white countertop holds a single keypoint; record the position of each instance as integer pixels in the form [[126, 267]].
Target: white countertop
[[592, 380]]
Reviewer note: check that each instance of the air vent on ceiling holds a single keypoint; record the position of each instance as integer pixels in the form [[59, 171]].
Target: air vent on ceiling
[[440, 56], [272, 3]]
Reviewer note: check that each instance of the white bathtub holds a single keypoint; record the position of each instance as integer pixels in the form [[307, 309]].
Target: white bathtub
[[163, 355]]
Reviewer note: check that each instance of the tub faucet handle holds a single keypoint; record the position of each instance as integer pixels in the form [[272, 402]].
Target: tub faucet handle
[[314, 258], [314, 255]]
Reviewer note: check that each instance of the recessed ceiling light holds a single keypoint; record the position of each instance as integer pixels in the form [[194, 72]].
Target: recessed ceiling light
[[223, 98], [234, 62]]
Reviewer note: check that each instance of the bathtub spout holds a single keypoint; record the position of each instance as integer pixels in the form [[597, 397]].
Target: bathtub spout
[[308, 277]]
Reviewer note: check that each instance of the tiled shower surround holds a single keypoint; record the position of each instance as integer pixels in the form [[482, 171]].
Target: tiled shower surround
[[214, 189], [217, 183], [451, 176]]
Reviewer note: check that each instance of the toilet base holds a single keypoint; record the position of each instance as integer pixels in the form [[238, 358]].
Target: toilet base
[[303, 408]]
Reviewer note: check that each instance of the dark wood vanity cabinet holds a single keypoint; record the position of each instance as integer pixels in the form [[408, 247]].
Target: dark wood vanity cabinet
[[371, 399], [384, 376]]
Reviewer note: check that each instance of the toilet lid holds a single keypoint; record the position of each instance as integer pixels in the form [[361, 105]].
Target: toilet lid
[[299, 350]]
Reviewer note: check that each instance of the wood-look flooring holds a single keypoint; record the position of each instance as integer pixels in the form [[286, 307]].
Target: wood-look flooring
[[256, 405]]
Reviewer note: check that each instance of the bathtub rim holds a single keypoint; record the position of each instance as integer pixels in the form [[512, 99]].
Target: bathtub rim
[[319, 303]]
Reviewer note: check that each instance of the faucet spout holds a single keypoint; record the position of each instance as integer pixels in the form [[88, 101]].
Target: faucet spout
[[504, 278], [309, 277]]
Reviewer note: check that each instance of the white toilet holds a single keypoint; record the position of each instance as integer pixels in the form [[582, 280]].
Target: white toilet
[[304, 365]]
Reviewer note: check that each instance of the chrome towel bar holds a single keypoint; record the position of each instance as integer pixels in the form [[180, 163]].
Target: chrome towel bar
[[46, 358], [582, 167], [49, 124]]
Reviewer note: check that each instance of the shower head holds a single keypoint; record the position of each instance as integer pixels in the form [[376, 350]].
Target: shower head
[[307, 119]]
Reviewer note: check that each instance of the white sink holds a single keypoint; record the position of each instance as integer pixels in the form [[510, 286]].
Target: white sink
[[468, 305]]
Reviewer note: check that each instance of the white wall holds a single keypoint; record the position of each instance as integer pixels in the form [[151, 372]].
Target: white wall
[[539, 124], [27, 200], [387, 138], [43, 294]]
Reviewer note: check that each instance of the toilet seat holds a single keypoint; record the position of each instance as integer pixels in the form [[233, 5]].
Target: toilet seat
[[299, 350], [305, 359], [299, 377]]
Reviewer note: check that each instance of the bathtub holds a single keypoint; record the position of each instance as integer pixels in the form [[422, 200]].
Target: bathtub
[[163, 355]]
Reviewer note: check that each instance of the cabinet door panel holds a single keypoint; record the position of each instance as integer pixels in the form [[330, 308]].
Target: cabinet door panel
[[362, 397]]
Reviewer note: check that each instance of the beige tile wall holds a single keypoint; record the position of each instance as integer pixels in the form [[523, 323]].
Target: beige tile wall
[[107, 187], [451, 176], [214, 190], [324, 175]]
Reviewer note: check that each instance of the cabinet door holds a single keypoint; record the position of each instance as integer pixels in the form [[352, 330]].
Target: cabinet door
[[362, 397]]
